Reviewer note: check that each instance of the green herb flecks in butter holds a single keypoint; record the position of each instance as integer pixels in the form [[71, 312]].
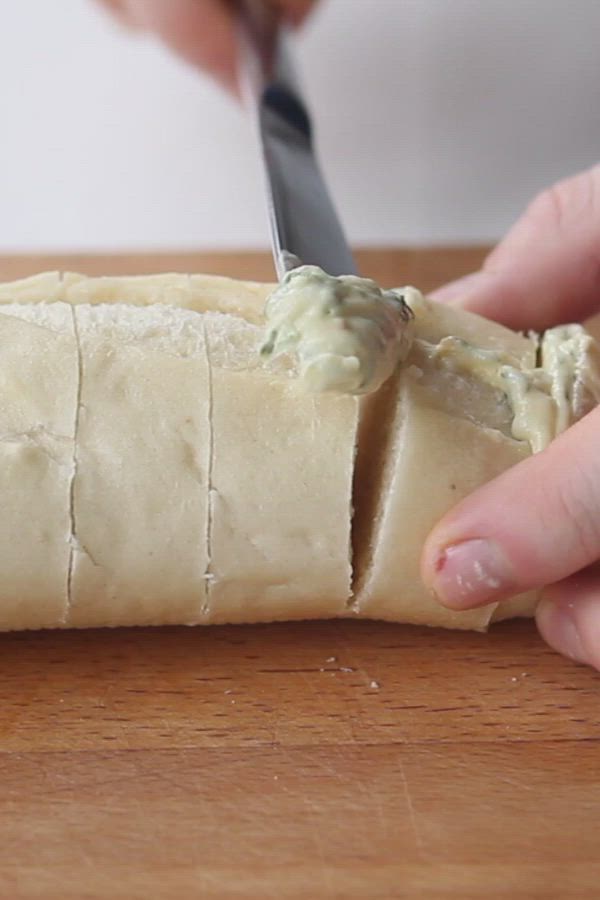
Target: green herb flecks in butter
[[348, 334]]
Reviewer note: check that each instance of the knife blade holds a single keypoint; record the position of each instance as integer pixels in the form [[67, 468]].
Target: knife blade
[[305, 228]]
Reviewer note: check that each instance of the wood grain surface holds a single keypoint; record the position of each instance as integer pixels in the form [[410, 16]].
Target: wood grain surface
[[315, 760]]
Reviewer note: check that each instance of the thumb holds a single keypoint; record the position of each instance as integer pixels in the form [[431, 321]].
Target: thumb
[[536, 524], [546, 271]]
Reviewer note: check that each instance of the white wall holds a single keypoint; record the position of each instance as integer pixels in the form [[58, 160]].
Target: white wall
[[437, 120]]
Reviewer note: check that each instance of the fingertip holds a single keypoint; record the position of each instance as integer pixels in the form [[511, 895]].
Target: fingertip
[[468, 574]]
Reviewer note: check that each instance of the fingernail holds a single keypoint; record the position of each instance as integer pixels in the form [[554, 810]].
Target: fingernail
[[558, 627], [459, 289], [472, 573]]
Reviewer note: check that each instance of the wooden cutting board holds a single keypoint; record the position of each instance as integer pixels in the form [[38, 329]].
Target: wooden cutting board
[[318, 760]]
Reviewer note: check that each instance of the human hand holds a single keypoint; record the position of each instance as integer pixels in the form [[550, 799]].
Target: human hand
[[537, 524], [201, 31]]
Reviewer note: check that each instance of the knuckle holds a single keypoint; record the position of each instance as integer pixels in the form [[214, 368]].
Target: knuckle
[[569, 202], [550, 207]]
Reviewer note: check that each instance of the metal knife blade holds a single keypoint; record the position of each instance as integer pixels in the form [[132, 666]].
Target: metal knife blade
[[304, 225]]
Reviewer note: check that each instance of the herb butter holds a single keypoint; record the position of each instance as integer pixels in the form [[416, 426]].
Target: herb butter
[[546, 399], [348, 334], [571, 356]]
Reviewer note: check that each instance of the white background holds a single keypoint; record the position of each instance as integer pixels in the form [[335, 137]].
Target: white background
[[436, 121]]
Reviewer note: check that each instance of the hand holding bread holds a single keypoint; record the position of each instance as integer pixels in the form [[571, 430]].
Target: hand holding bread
[[539, 524]]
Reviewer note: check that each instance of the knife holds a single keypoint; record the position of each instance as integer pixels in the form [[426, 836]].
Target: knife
[[304, 225]]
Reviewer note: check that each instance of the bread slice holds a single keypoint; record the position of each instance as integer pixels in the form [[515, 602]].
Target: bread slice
[[141, 485], [38, 387], [435, 321], [281, 486], [448, 433]]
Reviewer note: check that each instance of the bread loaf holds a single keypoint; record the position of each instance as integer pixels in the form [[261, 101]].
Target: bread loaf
[[155, 469]]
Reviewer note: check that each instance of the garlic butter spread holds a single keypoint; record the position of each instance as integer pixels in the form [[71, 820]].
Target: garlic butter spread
[[348, 334], [572, 358], [545, 400]]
